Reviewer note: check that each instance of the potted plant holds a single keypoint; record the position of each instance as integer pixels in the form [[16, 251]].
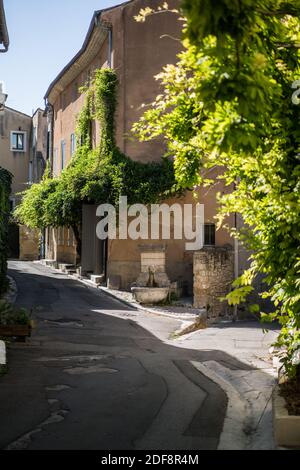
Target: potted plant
[[14, 321]]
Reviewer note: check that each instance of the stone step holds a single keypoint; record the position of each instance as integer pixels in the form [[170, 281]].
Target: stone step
[[65, 267], [96, 278], [51, 263]]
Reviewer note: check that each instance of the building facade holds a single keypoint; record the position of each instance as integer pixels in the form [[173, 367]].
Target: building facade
[[23, 141], [137, 52], [15, 150]]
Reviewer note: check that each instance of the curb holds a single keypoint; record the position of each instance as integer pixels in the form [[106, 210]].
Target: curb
[[150, 310], [135, 306], [233, 435]]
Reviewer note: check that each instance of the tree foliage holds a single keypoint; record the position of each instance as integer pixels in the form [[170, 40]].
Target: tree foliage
[[94, 175], [227, 103], [5, 185]]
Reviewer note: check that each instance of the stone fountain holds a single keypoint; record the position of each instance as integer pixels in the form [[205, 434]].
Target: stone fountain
[[153, 285]]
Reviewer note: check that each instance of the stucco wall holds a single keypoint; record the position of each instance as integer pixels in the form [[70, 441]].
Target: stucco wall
[[38, 154], [29, 244], [15, 162], [139, 53], [124, 255]]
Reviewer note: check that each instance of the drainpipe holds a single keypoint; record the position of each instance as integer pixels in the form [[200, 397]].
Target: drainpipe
[[49, 157], [50, 111], [104, 244]]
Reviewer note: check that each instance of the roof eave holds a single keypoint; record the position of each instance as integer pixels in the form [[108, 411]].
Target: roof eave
[[94, 23]]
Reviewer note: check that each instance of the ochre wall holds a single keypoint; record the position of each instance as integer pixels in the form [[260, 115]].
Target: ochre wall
[[15, 162], [139, 53], [29, 244], [124, 255]]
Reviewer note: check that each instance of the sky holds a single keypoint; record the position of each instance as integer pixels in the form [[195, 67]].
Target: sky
[[44, 36]]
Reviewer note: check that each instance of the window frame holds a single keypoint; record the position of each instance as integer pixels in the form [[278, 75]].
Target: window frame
[[72, 144], [63, 154], [24, 134]]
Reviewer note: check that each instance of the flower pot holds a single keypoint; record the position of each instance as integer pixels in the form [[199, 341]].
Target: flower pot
[[18, 331]]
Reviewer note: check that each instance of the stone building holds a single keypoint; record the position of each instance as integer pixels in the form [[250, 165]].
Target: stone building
[[137, 52], [15, 136], [23, 154]]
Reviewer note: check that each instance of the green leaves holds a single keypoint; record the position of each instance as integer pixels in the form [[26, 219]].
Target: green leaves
[[5, 185], [227, 104], [95, 175]]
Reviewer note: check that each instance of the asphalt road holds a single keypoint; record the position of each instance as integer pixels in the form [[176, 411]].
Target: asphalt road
[[99, 375]]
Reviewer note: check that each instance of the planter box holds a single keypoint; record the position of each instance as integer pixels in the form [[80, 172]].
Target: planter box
[[20, 331], [286, 427]]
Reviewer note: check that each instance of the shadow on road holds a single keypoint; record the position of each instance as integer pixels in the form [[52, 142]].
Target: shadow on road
[[91, 377]]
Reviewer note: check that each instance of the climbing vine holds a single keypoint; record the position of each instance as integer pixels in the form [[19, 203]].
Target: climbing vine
[[95, 175], [5, 185]]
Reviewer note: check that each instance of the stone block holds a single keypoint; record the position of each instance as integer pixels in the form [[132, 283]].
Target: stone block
[[213, 274], [97, 278], [114, 282]]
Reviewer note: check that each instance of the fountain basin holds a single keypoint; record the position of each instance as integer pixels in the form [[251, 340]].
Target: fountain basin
[[150, 295]]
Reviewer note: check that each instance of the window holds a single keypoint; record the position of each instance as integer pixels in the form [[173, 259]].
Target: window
[[18, 141], [55, 162], [73, 144], [63, 154], [48, 144], [209, 234]]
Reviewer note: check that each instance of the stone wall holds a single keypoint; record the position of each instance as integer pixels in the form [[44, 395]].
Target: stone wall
[[213, 275], [29, 244]]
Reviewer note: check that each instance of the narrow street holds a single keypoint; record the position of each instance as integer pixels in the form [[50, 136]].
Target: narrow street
[[98, 375]]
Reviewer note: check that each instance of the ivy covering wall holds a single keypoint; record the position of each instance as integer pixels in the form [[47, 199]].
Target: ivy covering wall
[[5, 187], [95, 175]]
